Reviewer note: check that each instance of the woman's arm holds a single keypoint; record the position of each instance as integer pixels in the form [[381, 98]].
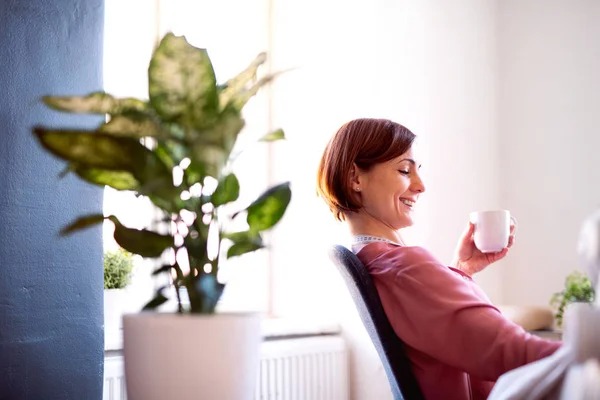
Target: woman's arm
[[446, 316]]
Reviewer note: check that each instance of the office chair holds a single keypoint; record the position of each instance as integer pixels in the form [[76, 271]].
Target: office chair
[[390, 348]]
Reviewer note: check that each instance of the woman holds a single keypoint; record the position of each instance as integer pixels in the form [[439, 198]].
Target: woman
[[458, 342]]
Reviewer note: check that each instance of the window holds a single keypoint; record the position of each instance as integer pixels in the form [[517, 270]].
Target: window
[[233, 40]]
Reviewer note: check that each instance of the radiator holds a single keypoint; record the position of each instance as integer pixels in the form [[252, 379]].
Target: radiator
[[114, 379], [312, 368]]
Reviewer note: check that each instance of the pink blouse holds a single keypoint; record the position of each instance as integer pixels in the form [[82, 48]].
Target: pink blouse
[[458, 343]]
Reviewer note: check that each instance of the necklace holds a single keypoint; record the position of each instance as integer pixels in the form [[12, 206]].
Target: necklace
[[366, 239]]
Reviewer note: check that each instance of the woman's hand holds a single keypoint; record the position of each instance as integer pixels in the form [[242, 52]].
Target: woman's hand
[[469, 259]]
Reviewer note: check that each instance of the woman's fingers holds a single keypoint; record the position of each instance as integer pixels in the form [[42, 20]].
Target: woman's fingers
[[500, 255], [468, 234], [511, 240]]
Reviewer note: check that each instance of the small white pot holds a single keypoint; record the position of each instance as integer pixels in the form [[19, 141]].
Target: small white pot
[[114, 307], [174, 356]]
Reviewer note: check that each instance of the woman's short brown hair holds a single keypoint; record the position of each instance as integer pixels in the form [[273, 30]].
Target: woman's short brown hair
[[364, 142]]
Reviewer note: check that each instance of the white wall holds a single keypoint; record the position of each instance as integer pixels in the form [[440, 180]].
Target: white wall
[[503, 97], [548, 124], [427, 64], [461, 128]]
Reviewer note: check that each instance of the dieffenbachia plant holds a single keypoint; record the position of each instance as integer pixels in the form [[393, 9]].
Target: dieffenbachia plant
[[168, 148]]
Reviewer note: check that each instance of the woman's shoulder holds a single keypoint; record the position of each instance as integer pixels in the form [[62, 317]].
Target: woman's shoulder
[[410, 264], [384, 253]]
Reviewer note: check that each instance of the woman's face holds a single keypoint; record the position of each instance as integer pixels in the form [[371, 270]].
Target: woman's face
[[389, 190]]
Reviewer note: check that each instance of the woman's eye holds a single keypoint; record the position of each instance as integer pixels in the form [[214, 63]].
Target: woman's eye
[[404, 172]]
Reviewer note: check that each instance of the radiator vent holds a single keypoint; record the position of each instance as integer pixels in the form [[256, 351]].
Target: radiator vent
[[303, 369], [114, 379]]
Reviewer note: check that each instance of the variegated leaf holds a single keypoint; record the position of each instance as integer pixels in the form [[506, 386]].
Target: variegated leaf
[[182, 83], [120, 180], [237, 84], [240, 100], [273, 136], [94, 103], [135, 124]]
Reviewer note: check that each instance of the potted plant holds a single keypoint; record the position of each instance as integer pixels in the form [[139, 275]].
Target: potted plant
[[578, 289], [175, 148], [118, 265]]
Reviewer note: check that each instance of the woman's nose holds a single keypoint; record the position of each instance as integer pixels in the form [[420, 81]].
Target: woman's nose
[[418, 186]]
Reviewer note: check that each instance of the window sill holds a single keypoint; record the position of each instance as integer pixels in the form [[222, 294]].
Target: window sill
[[277, 328], [272, 328], [548, 334]]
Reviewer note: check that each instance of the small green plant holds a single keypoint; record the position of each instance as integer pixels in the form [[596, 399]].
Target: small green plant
[[578, 288], [117, 267], [175, 148]]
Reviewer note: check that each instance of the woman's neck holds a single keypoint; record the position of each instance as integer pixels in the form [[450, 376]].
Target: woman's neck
[[363, 224]]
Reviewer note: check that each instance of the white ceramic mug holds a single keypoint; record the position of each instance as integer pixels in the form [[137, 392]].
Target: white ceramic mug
[[492, 229]]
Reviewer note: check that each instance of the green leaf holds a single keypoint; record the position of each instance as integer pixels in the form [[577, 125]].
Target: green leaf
[[133, 124], [239, 248], [144, 242], [208, 160], [227, 190], [212, 147], [96, 150], [94, 103], [166, 152], [240, 236], [120, 180], [242, 248], [156, 301], [182, 83], [268, 209], [239, 101], [82, 223], [273, 136], [237, 84], [243, 242], [226, 130], [100, 151]]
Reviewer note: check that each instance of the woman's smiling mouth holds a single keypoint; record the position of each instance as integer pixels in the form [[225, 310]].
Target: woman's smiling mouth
[[409, 203]]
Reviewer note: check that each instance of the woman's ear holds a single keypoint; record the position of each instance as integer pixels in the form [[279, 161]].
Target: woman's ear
[[356, 178]]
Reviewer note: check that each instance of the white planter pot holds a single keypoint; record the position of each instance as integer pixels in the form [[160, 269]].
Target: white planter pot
[[114, 308], [172, 356]]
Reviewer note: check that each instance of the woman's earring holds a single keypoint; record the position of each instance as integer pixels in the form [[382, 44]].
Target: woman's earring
[[357, 189]]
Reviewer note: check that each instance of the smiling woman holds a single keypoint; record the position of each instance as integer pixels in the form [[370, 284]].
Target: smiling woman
[[458, 343], [376, 173]]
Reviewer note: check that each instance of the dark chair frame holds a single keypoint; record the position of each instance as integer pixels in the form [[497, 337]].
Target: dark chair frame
[[390, 348]]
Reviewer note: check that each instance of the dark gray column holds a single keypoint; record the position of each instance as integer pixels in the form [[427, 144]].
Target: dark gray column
[[51, 339]]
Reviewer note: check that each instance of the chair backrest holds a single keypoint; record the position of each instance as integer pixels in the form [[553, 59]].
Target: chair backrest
[[389, 346]]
